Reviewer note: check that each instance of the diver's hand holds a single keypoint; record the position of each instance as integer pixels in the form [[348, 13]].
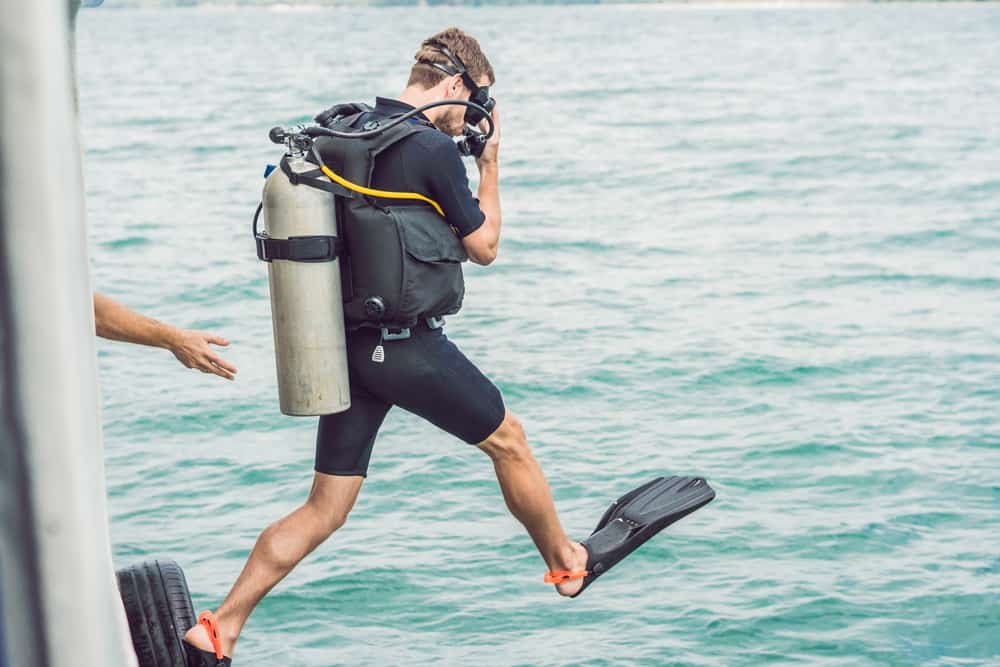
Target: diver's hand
[[492, 149], [191, 349]]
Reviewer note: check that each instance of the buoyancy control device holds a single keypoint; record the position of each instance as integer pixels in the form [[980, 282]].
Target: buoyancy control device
[[405, 260], [339, 260]]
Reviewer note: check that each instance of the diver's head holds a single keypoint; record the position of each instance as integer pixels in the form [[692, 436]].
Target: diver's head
[[450, 65]]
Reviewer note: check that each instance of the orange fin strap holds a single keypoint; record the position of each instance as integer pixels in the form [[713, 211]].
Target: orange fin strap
[[207, 619], [562, 576]]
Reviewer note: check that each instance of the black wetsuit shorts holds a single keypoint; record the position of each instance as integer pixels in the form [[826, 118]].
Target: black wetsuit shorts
[[425, 374]]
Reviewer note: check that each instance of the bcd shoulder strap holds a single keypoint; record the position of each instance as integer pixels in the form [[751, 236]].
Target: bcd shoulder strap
[[354, 158]]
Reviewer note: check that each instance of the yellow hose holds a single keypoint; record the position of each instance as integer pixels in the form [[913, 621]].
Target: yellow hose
[[379, 193]]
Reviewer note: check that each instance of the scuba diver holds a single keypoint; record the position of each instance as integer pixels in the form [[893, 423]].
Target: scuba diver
[[399, 355]]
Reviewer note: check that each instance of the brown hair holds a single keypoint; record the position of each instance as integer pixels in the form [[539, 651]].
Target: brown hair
[[460, 44]]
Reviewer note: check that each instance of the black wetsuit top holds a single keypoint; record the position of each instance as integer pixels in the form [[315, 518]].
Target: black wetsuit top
[[428, 163]]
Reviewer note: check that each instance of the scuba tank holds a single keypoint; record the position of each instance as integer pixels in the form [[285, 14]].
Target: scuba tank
[[301, 247]]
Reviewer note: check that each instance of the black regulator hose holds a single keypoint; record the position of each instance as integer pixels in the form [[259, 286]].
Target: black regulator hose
[[324, 132]]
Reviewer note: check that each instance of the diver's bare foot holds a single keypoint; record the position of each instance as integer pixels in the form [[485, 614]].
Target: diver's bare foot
[[575, 563], [198, 637]]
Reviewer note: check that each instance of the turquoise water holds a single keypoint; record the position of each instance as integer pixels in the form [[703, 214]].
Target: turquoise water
[[761, 245]]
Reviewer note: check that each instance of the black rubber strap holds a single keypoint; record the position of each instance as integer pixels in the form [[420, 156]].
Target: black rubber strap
[[299, 248], [335, 114], [314, 179]]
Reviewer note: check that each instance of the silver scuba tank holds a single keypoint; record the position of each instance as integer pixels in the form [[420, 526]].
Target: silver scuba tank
[[306, 304]]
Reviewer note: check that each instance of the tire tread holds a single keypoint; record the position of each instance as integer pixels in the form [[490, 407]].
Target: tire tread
[[159, 610]]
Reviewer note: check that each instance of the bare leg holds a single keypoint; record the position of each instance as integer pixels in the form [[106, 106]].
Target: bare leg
[[279, 549], [529, 499]]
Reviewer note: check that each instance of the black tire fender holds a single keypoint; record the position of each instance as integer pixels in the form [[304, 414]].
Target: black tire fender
[[159, 610]]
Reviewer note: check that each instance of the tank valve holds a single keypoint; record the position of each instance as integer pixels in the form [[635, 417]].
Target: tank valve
[[296, 143]]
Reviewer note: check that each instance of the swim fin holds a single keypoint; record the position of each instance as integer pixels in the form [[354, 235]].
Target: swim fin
[[633, 519]]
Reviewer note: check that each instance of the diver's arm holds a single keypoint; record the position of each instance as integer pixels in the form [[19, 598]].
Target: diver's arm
[[116, 322], [482, 245]]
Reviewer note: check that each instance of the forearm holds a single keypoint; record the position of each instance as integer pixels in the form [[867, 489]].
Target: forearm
[[489, 202], [116, 322]]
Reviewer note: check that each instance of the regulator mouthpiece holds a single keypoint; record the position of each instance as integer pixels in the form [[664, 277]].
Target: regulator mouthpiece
[[472, 143]]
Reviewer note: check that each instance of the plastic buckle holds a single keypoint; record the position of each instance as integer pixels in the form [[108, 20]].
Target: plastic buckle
[[435, 323], [399, 334], [262, 247]]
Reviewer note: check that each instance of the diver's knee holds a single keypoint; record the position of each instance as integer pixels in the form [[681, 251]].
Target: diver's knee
[[508, 441], [334, 522], [328, 519], [515, 429]]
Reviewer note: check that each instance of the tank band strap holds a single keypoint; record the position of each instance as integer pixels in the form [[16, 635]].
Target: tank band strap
[[299, 248], [314, 179]]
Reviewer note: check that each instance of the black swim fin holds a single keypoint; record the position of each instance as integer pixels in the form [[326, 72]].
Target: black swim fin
[[197, 657], [637, 516]]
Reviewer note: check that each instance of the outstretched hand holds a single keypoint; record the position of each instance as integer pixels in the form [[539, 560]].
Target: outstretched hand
[[192, 349]]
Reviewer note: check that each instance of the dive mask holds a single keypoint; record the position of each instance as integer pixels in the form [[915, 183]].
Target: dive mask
[[480, 96]]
